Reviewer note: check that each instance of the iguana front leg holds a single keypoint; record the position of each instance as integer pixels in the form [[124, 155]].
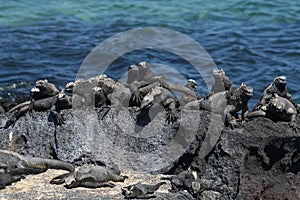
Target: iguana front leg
[[293, 123], [138, 93], [169, 105], [57, 116], [228, 121], [244, 112], [136, 97]]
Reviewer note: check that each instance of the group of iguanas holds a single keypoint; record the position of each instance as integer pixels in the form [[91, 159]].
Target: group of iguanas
[[14, 166], [144, 90]]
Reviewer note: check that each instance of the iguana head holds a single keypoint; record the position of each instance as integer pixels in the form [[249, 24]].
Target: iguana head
[[40, 83], [97, 78], [192, 84], [144, 70], [34, 90], [44, 85], [280, 83], [64, 100], [69, 87], [133, 73], [151, 98], [246, 90], [131, 191], [276, 105], [143, 65], [218, 74], [70, 181]]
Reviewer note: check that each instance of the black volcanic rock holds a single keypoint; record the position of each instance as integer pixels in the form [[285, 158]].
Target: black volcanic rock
[[110, 139], [258, 160]]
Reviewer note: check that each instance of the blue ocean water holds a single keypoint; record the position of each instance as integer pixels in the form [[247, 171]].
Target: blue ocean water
[[253, 41]]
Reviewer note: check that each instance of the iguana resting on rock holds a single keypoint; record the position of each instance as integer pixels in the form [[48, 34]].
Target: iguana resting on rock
[[43, 89], [13, 166], [53, 104], [91, 176], [145, 76], [277, 87], [184, 181], [141, 191], [227, 103], [277, 109], [222, 82], [99, 91], [160, 97], [186, 98]]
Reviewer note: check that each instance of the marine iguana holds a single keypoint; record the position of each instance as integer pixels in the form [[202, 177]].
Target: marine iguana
[[222, 81], [183, 181], [91, 176], [277, 87], [100, 90], [141, 191], [14, 175], [160, 97], [14, 166], [144, 76], [43, 89], [53, 104], [186, 98], [13, 160], [227, 103], [277, 109]]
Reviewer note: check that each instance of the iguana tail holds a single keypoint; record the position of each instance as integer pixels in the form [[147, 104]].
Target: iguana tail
[[21, 105], [41, 163], [36, 162]]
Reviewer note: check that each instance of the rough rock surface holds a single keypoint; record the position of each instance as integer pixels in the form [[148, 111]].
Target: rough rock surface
[[259, 160], [87, 135]]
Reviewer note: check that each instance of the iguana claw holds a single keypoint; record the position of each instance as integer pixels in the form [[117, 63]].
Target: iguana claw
[[171, 117], [137, 97], [294, 126]]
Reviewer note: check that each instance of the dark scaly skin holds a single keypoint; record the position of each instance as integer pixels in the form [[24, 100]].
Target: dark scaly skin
[[14, 175], [278, 109], [160, 96], [112, 92], [53, 104], [91, 177], [226, 103], [14, 166], [186, 98], [222, 81], [145, 76], [141, 191], [16, 160], [277, 87], [237, 100], [43, 89], [183, 181]]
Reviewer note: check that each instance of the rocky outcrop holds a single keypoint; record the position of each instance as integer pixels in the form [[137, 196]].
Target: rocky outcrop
[[258, 160], [89, 135]]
